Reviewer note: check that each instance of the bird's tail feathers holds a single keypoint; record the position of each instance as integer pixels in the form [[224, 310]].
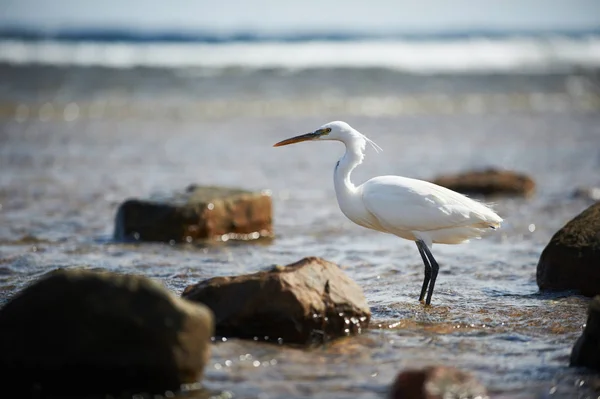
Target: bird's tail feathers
[[489, 215]]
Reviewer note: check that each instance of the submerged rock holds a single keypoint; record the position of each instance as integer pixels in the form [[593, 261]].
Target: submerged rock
[[437, 383], [311, 300], [198, 213], [489, 182], [586, 352], [571, 260], [76, 332]]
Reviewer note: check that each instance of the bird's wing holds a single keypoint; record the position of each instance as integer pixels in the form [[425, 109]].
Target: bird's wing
[[409, 204]]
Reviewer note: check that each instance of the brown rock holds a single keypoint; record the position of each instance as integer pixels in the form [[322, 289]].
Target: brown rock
[[307, 301], [571, 260], [78, 332], [197, 214], [586, 351], [489, 182], [437, 383]]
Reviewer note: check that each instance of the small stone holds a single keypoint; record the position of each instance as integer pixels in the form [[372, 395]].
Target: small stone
[[78, 332], [197, 214], [586, 352], [571, 260], [305, 302], [437, 382], [489, 182]]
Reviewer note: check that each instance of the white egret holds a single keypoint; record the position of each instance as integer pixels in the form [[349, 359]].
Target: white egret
[[408, 208]]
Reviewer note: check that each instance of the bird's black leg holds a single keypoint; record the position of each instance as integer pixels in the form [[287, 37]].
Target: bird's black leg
[[434, 272], [420, 245]]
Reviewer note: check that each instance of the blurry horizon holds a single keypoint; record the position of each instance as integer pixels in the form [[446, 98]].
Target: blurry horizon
[[329, 16]]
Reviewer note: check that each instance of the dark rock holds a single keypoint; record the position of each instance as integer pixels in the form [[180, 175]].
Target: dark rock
[[77, 332], [586, 352], [437, 383], [571, 260], [489, 182], [308, 301], [199, 213]]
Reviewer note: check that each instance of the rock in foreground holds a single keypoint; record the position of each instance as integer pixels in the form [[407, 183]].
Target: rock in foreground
[[489, 182], [437, 383], [571, 260], [308, 301], [586, 352], [198, 213], [76, 332]]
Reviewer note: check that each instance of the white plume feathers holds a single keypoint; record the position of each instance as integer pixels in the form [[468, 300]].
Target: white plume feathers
[[373, 144]]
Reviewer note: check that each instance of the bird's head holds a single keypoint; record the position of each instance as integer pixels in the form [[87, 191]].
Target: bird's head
[[337, 130]]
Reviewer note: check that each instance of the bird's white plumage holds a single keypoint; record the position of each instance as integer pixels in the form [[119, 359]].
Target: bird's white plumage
[[408, 208], [403, 206]]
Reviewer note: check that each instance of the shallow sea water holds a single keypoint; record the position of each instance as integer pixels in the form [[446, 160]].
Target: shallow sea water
[[74, 143]]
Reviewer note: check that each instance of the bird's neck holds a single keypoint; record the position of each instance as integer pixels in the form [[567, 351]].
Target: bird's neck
[[352, 158]]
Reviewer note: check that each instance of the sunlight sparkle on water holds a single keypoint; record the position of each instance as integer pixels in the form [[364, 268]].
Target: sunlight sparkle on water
[[71, 112]]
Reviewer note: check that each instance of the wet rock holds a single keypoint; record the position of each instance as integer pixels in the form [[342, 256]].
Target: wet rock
[[571, 260], [489, 182], [76, 332], [311, 300], [586, 352], [437, 383], [198, 213]]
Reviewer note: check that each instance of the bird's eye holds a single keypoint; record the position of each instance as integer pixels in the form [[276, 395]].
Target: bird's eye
[[327, 130]]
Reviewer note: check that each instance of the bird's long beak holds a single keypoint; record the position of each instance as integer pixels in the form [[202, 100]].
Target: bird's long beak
[[297, 139]]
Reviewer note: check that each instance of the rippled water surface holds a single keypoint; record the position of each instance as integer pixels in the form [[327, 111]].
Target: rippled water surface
[[74, 143]]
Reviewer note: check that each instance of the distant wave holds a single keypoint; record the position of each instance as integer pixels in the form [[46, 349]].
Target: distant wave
[[136, 35], [548, 54]]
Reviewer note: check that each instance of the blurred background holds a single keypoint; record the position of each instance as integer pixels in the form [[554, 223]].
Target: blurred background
[[208, 59], [105, 100]]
